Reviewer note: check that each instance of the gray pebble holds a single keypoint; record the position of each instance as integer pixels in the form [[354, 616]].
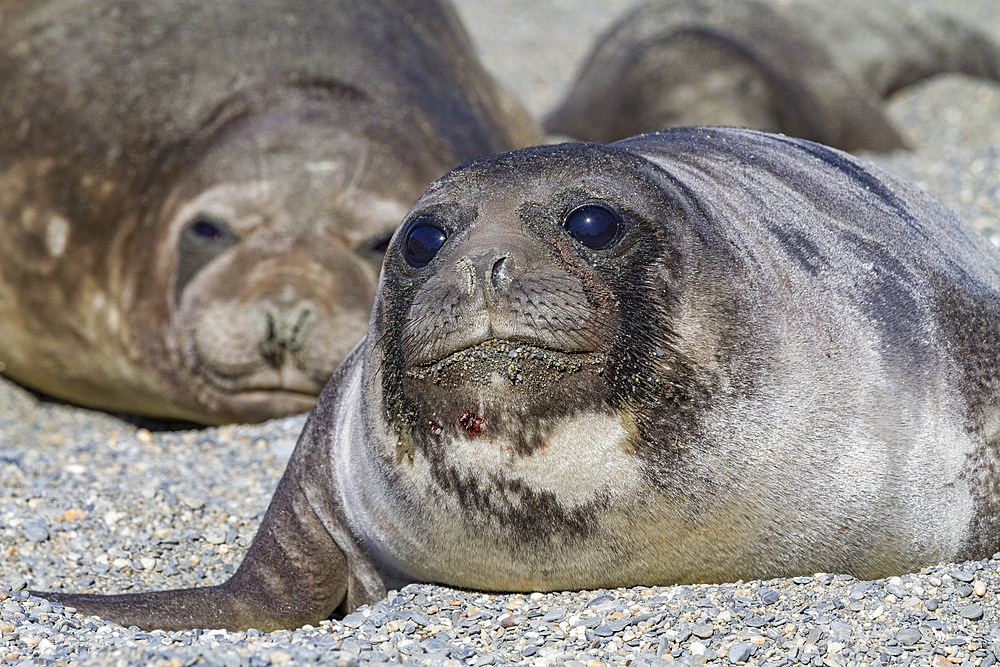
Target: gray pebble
[[353, 620], [192, 502], [702, 630], [739, 652], [973, 612], [351, 648], [35, 531], [215, 536], [603, 631], [769, 596]]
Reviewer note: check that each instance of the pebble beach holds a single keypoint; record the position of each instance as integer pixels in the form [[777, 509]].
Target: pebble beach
[[94, 502]]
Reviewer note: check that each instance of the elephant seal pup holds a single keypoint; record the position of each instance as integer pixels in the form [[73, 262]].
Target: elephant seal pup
[[195, 197], [811, 69], [699, 355]]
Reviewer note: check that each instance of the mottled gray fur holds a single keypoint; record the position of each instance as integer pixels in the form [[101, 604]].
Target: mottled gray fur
[[808, 68], [795, 371]]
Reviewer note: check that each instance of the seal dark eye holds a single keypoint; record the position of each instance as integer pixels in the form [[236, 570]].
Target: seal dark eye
[[202, 240], [422, 243], [593, 226], [207, 229], [379, 246]]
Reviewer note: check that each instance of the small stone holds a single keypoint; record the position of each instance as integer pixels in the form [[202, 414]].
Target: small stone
[[961, 575], [740, 651], [351, 648], [35, 531], [353, 620], [603, 630], [979, 588], [702, 630], [908, 636], [769, 596], [215, 536], [973, 612]]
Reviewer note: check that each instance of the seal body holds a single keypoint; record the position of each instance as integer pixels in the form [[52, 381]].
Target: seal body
[[808, 68], [697, 355], [196, 198]]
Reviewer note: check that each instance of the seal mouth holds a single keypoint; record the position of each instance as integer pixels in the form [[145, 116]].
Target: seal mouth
[[518, 361], [282, 381]]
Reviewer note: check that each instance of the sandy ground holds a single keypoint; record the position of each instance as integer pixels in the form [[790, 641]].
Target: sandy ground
[[165, 509]]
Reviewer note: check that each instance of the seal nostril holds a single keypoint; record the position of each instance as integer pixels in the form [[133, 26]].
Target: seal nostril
[[499, 272], [297, 334], [285, 331], [270, 345]]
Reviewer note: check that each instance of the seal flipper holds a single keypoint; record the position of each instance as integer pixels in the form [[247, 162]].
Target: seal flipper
[[294, 573]]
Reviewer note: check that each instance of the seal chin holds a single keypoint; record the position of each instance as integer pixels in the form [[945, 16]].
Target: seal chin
[[259, 404], [260, 392], [286, 378]]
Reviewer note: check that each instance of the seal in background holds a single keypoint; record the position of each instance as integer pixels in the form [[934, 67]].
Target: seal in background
[[195, 197]]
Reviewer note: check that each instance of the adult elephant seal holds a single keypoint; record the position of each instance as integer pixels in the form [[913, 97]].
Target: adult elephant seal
[[808, 68], [195, 197], [693, 356]]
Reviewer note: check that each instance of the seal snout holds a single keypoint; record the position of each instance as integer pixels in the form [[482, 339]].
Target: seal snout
[[271, 330], [284, 330], [501, 285]]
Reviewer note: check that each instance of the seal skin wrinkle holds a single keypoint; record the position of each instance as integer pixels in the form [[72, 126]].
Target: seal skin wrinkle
[[809, 68], [195, 197], [697, 355]]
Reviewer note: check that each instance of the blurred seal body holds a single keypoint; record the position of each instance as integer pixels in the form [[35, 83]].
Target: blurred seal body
[[692, 356], [195, 197], [816, 70]]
